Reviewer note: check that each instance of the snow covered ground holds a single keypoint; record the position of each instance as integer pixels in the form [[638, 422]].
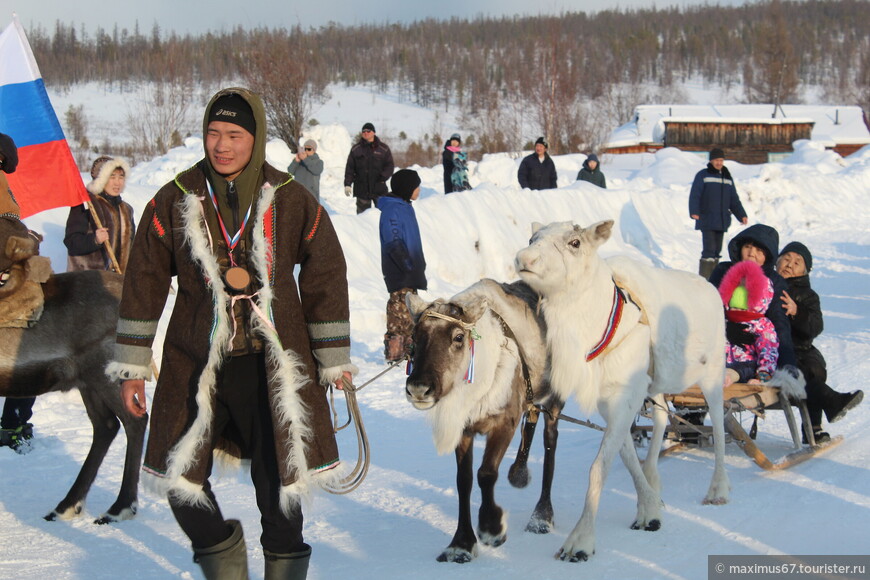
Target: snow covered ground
[[404, 514]]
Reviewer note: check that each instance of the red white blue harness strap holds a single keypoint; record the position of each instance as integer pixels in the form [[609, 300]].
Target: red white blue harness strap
[[612, 324]]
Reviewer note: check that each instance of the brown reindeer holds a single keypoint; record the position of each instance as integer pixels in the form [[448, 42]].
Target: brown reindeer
[[68, 348], [479, 362]]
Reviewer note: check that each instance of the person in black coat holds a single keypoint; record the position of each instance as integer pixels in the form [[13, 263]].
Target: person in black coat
[[369, 166], [712, 200], [803, 308], [537, 171]]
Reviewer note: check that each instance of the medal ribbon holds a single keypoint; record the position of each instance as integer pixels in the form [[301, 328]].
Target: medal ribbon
[[234, 241]]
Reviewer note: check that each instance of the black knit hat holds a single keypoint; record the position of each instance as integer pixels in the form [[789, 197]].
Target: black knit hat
[[716, 153], [542, 142], [801, 250], [368, 127], [10, 153], [234, 109], [404, 182]]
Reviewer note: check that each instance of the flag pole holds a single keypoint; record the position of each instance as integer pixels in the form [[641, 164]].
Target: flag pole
[[106, 243]]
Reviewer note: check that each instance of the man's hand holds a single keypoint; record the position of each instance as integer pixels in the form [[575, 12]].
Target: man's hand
[[133, 397], [101, 235], [339, 384], [348, 191], [695, 216]]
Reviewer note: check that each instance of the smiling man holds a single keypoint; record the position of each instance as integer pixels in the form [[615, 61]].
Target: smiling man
[[247, 353]]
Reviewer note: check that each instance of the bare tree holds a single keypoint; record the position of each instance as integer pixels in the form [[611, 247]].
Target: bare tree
[[770, 76], [291, 78], [157, 123]]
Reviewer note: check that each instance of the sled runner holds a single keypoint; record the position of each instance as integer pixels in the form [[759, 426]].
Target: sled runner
[[738, 398]]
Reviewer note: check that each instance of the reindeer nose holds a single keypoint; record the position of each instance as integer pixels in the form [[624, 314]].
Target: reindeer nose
[[417, 391]]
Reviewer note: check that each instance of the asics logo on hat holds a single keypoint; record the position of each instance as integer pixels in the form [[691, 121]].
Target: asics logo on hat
[[224, 112]]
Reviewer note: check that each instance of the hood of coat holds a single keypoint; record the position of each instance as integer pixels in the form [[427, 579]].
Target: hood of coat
[[759, 290], [762, 235], [104, 171], [251, 177]]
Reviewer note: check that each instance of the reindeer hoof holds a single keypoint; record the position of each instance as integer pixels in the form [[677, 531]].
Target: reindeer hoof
[[458, 555], [537, 526], [580, 556], [715, 501], [650, 526], [65, 514]]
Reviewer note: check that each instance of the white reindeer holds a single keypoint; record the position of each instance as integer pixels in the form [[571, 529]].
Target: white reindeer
[[617, 331]]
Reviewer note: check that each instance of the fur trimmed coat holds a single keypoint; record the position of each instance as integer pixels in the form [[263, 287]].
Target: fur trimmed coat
[[80, 239], [304, 330]]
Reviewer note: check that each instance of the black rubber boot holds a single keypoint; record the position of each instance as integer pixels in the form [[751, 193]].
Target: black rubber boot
[[293, 566], [227, 560], [706, 267], [842, 404]]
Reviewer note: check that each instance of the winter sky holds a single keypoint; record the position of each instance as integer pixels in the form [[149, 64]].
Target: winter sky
[[197, 16]]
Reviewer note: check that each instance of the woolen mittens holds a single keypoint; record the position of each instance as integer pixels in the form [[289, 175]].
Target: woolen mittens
[[348, 191]]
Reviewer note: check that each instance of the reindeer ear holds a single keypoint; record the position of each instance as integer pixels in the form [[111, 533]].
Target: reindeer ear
[[415, 304], [599, 232], [536, 226], [19, 249], [475, 309]]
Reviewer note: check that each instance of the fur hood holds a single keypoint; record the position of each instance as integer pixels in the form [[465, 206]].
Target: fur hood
[[102, 170], [758, 288]]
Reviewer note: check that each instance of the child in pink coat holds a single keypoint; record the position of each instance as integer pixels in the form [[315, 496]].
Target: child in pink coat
[[746, 294]]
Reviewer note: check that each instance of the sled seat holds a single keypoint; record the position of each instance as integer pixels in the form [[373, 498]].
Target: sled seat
[[741, 397]]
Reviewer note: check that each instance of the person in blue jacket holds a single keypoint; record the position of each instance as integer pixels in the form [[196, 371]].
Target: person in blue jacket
[[712, 200], [402, 261]]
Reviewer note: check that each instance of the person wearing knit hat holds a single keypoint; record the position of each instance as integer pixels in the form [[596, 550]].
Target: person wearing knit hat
[[591, 172], [369, 166], [712, 200], [402, 260], [307, 166], [804, 310], [250, 348], [455, 163], [537, 171], [105, 245]]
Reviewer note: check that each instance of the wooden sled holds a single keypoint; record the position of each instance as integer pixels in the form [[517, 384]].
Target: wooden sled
[[739, 397]]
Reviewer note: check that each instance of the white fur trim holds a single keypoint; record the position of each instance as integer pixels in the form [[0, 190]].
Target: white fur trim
[[300, 492], [99, 183], [292, 414], [120, 372], [791, 387], [183, 453], [329, 375]]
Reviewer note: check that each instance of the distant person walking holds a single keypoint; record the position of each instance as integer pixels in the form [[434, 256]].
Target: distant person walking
[[369, 166], [712, 200], [307, 167], [85, 242], [591, 172], [455, 162], [537, 171]]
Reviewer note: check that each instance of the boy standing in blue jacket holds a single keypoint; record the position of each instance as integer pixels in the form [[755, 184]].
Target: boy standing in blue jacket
[[402, 260]]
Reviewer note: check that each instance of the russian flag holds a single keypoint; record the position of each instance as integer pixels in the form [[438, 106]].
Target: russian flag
[[47, 175]]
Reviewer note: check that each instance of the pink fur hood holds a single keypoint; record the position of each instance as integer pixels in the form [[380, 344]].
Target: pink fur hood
[[758, 286]]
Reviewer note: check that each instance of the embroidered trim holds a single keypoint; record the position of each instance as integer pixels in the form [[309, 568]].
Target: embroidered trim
[[612, 324], [316, 224], [269, 220], [155, 222]]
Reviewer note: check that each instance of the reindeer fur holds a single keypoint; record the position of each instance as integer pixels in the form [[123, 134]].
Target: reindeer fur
[[671, 336], [492, 404]]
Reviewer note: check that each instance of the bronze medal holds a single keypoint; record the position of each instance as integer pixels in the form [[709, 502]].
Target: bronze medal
[[237, 279]]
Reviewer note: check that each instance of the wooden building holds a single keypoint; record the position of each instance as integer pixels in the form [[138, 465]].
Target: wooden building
[[749, 134]]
